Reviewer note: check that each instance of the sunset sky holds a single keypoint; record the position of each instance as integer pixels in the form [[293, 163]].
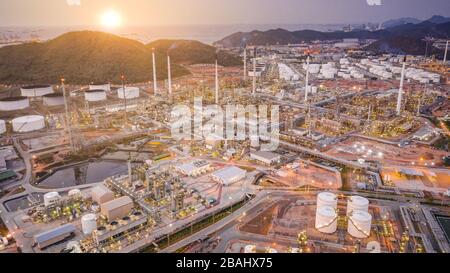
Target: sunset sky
[[184, 12]]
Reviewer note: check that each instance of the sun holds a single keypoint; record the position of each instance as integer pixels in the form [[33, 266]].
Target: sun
[[111, 19]]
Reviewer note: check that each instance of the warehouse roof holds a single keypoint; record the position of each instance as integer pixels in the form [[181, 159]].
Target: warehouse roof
[[117, 203], [54, 233], [229, 173]]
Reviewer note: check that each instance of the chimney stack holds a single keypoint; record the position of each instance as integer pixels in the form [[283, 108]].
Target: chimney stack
[[400, 90], [155, 83]]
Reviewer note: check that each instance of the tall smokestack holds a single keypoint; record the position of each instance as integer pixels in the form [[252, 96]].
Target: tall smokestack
[[66, 107], [155, 83], [169, 74], [400, 90], [307, 78], [245, 62], [217, 81], [254, 72], [445, 54]]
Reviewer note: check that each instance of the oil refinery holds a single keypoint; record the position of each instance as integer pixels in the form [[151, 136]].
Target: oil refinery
[[266, 142]]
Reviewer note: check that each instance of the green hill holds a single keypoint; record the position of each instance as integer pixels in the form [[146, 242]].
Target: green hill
[[193, 52], [81, 57]]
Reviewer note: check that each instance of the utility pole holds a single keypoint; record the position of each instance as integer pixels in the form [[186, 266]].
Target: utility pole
[[66, 106]]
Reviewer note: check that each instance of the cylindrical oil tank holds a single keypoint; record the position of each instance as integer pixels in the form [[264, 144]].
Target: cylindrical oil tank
[[88, 223], [14, 103], [74, 193], [54, 99], [36, 90], [250, 249], [359, 224], [357, 203], [130, 92], [327, 199], [28, 124], [326, 219], [51, 198], [95, 95], [100, 86], [2, 126]]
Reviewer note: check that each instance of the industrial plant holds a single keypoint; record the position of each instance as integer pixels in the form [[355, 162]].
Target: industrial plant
[[361, 161]]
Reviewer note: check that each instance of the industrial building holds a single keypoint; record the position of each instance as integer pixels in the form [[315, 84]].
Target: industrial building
[[54, 236], [101, 194], [268, 158], [194, 168], [229, 175], [117, 228], [117, 208]]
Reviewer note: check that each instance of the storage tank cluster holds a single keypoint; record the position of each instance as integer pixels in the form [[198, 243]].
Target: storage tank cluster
[[359, 218], [27, 124], [422, 76], [286, 73], [33, 91], [326, 215], [14, 103], [130, 93], [328, 71], [95, 95], [387, 70], [54, 99]]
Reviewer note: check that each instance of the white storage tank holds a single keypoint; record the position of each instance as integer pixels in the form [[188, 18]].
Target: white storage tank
[[326, 219], [327, 199], [130, 92], [95, 95], [75, 193], [250, 249], [89, 223], [2, 126], [28, 124], [55, 99], [359, 224], [14, 103], [355, 203], [100, 86], [51, 198], [36, 90]]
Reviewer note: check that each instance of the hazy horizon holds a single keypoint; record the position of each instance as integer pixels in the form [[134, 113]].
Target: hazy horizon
[[136, 13]]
